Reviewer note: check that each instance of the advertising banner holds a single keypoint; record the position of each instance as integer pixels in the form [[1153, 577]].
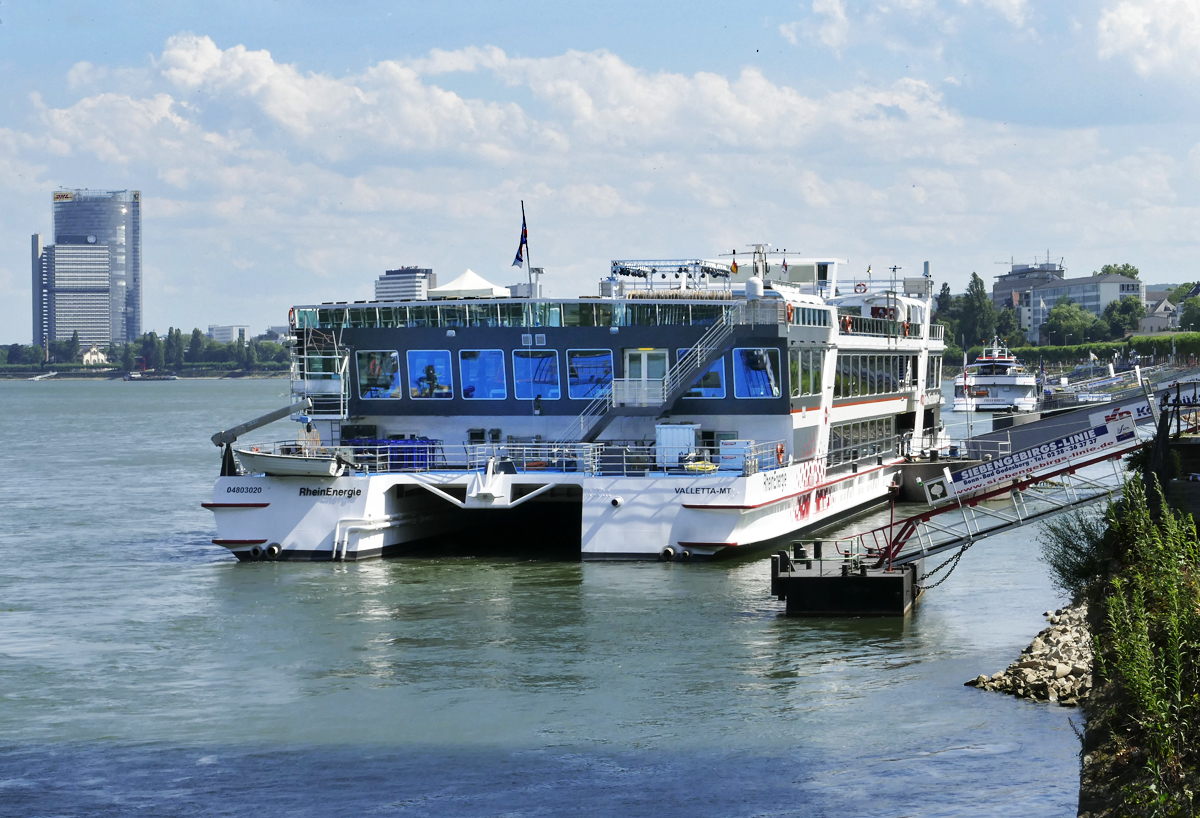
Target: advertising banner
[[1118, 435]]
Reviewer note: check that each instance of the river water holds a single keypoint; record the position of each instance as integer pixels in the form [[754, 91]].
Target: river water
[[146, 672]]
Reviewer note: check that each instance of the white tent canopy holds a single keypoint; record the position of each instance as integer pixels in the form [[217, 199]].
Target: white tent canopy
[[469, 285]]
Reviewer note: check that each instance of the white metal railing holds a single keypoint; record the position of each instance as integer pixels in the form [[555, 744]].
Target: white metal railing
[[637, 392], [626, 459]]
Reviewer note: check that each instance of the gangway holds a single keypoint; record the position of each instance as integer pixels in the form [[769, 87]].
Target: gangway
[[882, 570]]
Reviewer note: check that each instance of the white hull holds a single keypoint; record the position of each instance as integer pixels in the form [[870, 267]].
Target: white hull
[[619, 517]]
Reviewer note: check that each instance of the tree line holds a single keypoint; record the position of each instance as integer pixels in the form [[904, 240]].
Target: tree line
[[171, 352]]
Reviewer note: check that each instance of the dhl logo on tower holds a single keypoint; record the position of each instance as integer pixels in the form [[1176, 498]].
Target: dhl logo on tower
[[64, 196]]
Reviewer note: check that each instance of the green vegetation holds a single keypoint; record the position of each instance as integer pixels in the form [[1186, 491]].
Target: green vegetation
[[971, 315], [1189, 313], [1127, 270], [168, 353], [1147, 634]]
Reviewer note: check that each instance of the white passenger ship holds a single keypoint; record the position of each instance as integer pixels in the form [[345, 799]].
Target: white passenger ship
[[687, 411], [996, 382]]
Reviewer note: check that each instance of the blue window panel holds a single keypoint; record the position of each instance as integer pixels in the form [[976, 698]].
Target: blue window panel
[[481, 374], [535, 374], [709, 385], [429, 376], [756, 373], [379, 375], [588, 372]]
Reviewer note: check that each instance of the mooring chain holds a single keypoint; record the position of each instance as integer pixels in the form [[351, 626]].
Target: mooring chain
[[953, 560]]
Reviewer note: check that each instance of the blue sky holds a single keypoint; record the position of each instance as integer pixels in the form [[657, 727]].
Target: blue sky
[[290, 152]]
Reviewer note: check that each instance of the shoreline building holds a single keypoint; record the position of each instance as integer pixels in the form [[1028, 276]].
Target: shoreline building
[[90, 279], [1034, 289], [405, 284]]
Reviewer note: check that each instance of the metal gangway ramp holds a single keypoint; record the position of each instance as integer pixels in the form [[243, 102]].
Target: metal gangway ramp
[[959, 519]]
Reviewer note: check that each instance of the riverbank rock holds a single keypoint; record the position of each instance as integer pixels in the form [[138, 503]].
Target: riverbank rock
[[1057, 665]]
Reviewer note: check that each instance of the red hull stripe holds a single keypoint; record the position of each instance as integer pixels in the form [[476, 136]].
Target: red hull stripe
[[238, 542], [234, 505], [787, 496]]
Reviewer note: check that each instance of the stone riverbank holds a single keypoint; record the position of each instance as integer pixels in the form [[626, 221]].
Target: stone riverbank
[[1057, 665]]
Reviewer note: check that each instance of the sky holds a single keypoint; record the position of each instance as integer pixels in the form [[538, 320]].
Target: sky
[[289, 153]]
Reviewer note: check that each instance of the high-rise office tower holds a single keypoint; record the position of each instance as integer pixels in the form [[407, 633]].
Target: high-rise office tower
[[90, 280], [405, 284]]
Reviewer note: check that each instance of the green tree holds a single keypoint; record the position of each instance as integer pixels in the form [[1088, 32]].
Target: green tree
[[16, 354], [978, 317], [1189, 314], [252, 355], [1127, 270], [177, 351], [169, 345], [196, 346], [1007, 325], [1124, 316], [1178, 295], [237, 351], [943, 298], [1068, 323], [128, 356], [73, 348]]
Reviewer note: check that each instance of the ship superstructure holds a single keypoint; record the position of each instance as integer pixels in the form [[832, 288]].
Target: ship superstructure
[[995, 382], [689, 409]]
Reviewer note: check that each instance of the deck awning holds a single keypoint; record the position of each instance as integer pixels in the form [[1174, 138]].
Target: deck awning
[[469, 285]]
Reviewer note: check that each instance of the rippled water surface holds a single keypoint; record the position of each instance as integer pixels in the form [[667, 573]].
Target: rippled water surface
[[144, 671]]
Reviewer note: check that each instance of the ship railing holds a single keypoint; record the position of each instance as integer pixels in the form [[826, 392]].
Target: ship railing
[[636, 392], [640, 460], [527, 457], [937, 332], [850, 324]]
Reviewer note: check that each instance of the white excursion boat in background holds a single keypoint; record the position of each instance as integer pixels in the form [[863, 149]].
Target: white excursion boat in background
[[690, 409], [996, 382]]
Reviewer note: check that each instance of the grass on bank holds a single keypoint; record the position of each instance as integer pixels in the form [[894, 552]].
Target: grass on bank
[[1138, 567]]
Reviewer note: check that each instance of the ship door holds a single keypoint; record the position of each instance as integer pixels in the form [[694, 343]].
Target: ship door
[[646, 364]]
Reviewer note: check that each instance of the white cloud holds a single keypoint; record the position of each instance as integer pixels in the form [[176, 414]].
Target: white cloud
[[265, 184], [1154, 35], [834, 29], [1012, 10]]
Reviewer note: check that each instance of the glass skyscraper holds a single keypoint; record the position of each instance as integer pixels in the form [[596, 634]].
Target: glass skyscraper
[[68, 280]]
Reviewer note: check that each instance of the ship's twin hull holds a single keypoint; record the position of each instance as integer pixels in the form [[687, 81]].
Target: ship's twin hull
[[562, 516]]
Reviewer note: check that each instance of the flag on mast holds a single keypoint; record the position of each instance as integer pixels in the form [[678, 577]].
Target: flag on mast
[[785, 264], [523, 247], [734, 265]]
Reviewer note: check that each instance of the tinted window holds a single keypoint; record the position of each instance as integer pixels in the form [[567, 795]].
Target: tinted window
[[588, 372], [535, 374], [756, 373], [709, 385], [481, 374], [379, 375], [429, 374]]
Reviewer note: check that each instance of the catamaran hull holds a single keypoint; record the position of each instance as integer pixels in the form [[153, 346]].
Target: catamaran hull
[[593, 517]]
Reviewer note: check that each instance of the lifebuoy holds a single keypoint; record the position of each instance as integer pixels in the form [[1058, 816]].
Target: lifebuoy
[[860, 287], [779, 451], [789, 313]]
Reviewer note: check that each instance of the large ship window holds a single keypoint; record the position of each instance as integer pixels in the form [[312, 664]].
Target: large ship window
[[512, 315], [806, 371], [641, 315], [455, 316], [588, 371], [705, 314], [429, 374], [849, 442], [756, 373], [709, 385], [673, 315], [482, 315], [579, 315], [379, 375], [423, 316], [535, 374], [481, 374]]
